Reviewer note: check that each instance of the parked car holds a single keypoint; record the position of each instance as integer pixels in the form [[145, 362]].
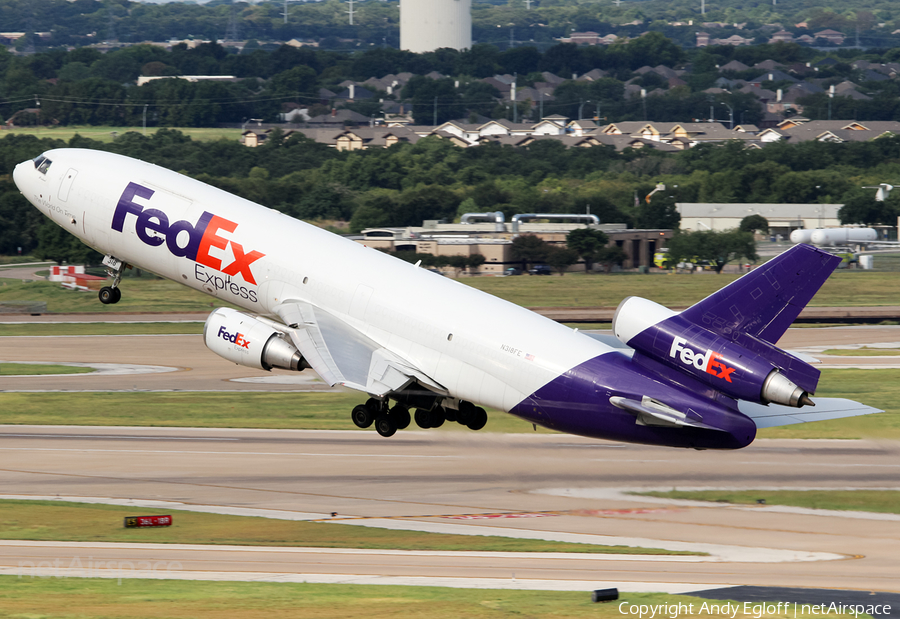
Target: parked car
[[540, 269], [512, 271]]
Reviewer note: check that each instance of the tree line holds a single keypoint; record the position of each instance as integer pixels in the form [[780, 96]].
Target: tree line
[[432, 179]]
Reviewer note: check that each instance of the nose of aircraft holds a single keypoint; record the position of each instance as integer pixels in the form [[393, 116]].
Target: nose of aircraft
[[20, 174]]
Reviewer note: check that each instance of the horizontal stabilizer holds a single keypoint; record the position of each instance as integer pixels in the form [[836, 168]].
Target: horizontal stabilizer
[[826, 408]]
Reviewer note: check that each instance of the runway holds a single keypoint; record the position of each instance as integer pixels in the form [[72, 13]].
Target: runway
[[493, 483], [538, 486]]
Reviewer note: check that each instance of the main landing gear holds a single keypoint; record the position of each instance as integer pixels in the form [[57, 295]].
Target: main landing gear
[[114, 267], [389, 419]]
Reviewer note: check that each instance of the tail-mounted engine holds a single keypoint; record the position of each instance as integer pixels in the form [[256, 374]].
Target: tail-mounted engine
[[248, 341], [665, 336]]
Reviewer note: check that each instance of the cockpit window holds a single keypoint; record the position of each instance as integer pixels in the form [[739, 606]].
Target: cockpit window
[[42, 164]]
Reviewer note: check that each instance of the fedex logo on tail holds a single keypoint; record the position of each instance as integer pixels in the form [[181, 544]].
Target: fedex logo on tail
[[705, 362], [182, 238], [235, 338]]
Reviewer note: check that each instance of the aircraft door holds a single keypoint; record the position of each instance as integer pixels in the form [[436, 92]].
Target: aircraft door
[[65, 184]]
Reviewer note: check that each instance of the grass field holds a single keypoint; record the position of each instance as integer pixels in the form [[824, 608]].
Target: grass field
[[100, 328], [55, 598], [298, 411], [80, 522], [138, 295], [107, 134], [865, 351], [331, 411], [854, 288], [27, 369], [882, 501], [851, 288], [878, 388]]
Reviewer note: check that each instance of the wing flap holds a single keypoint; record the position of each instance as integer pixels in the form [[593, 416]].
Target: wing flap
[[341, 354], [775, 415]]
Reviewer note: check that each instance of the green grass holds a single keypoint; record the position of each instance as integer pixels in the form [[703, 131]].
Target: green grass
[[331, 411], [298, 411], [79, 522], [12, 261], [100, 328], [105, 134], [28, 369], [138, 295], [878, 388], [882, 501], [55, 598], [854, 288], [851, 288], [865, 351]]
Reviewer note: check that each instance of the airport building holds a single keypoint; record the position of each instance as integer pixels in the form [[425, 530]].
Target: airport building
[[782, 218], [494, 240]]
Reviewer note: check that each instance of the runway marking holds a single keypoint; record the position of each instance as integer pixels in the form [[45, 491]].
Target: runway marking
[[101, 369], [572, 512], [117, 436], [407, 581], [231, 453]]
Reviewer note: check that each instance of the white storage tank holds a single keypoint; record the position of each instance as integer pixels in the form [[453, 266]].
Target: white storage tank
[[867, 262], [427, 25]]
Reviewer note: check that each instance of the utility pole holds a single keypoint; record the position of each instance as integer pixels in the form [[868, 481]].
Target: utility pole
[[350, 2], [527, 5], [145, 119], [285, 11], [703, 7], [512, 42], [435, 112], [830, 97]]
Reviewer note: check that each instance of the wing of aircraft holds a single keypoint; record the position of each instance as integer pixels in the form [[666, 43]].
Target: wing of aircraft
[[706, 378]]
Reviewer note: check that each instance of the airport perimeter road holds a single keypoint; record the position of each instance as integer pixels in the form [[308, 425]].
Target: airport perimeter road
[[545, 486]]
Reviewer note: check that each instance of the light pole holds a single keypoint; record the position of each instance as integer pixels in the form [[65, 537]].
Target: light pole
[[730, 114]]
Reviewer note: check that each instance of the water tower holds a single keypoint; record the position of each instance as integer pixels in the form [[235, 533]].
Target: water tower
[[426, 25]]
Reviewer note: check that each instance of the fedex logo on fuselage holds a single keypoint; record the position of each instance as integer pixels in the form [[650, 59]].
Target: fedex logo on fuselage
[[235, 338], [705, 362], [197, 241]]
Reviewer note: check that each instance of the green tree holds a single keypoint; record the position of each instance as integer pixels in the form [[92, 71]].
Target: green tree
[[719, 248], [475, 261], [752, 223], [587, 243], [529, 249], [611, 256], [660, 213], [561, 259]]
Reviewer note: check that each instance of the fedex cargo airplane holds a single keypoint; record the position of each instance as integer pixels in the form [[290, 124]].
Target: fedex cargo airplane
[[707, 377]]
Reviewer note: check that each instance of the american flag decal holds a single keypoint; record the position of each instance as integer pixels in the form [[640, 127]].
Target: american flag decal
[[529, 357]]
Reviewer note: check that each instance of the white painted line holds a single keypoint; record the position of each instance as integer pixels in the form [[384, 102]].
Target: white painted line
[[101, 369], [233, 453], [118, 436], [371, 579], [718, 553]]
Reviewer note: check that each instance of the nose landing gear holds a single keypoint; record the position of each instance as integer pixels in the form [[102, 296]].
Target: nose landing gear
[[114, 267]]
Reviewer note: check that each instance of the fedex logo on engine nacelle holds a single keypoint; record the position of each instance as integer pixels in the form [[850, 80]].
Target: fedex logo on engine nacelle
[[705, 362], [235, 338], [199, 240]]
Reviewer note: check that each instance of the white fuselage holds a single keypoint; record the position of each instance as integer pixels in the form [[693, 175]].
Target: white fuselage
[[480, 348]]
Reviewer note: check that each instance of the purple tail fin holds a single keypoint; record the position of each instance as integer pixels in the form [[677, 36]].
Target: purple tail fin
[[763, 303]]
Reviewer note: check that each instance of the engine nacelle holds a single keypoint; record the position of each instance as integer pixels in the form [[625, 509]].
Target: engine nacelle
[[245, 340], [665, 336]]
